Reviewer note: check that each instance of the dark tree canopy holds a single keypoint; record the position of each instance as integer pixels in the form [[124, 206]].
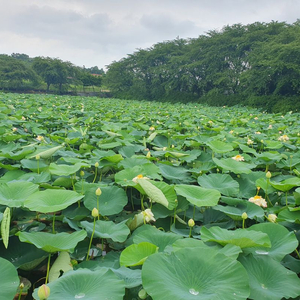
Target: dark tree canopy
[[238, 63]]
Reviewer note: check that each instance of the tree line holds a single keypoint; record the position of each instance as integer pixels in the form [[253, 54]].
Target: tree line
[[256, 64], [19, 72]]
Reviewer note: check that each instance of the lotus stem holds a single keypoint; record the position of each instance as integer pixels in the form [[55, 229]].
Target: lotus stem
[[87, 256], [53, 223], [48, 268]]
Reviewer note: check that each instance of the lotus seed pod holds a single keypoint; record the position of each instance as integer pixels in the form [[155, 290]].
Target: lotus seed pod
[[96, 165], [244, 216], [142, 294], [98, 192], [191, 223], [43, 292], [95, 212], [268, 175]]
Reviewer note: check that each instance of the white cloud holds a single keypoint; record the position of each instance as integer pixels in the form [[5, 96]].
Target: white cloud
[[96, 32]]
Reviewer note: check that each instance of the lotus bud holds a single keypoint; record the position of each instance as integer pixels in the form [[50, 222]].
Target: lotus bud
[[148, 154], [96, 165], [37, 157], [21, 286], [95, 212], [142, 294], [191, 223], [98, 192], [272, 218], [244, 216], [81, 173], [268, 175], [43, 292]]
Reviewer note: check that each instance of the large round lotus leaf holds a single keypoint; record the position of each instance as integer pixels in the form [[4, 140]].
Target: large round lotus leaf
[[13, 194], [51, 200], [198, 195], [135, 255], [108, 230], [269, 280], [111, 201], [87, 285], [152, 235], [22, 256], [283, 241], [53, 242], [45, 151], [34, 165], [175, 174], [219, 146], [65, 170], [234, 166], [287, 184], [221, 182], [194, 273], [9, 279], [229, 250], [236, 207], [243, 238]]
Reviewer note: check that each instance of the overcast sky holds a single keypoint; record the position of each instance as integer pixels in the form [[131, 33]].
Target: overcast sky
[[97, 32]]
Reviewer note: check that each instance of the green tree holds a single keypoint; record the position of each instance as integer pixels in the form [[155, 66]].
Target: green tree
[[53, 71], [15, 75]]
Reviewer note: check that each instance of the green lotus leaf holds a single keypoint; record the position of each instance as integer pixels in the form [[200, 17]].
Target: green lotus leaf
[[283, 241], [86, 284], [175, 174], [132, 278], [65, 170], [153, 192], [13, 194], [45, 151], [178, 276], [236, 207], [111, 201], [51, 200], [221, 182], [244, 238], [23, 256], [148, 233], [34, 165], [219, 146], [136, 254], [237, 167], [269, 280], [197, 195], [9, 279], [61, 264], [287, 184], [53, 242], [107, 230], [289, 216]]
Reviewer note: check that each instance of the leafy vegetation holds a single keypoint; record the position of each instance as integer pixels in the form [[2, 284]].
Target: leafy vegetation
[[19, 72], [255, 64], [134, 199]]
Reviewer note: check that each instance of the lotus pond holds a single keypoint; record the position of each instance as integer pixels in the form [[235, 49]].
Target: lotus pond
[[118, 199]]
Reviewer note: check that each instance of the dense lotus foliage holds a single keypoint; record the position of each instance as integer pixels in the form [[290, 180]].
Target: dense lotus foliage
[[120, 199]]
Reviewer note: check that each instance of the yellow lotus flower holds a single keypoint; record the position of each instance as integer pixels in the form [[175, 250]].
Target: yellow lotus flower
[[283, 138], [140, 176], [258, 200], [148, 215], [238, 158]]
